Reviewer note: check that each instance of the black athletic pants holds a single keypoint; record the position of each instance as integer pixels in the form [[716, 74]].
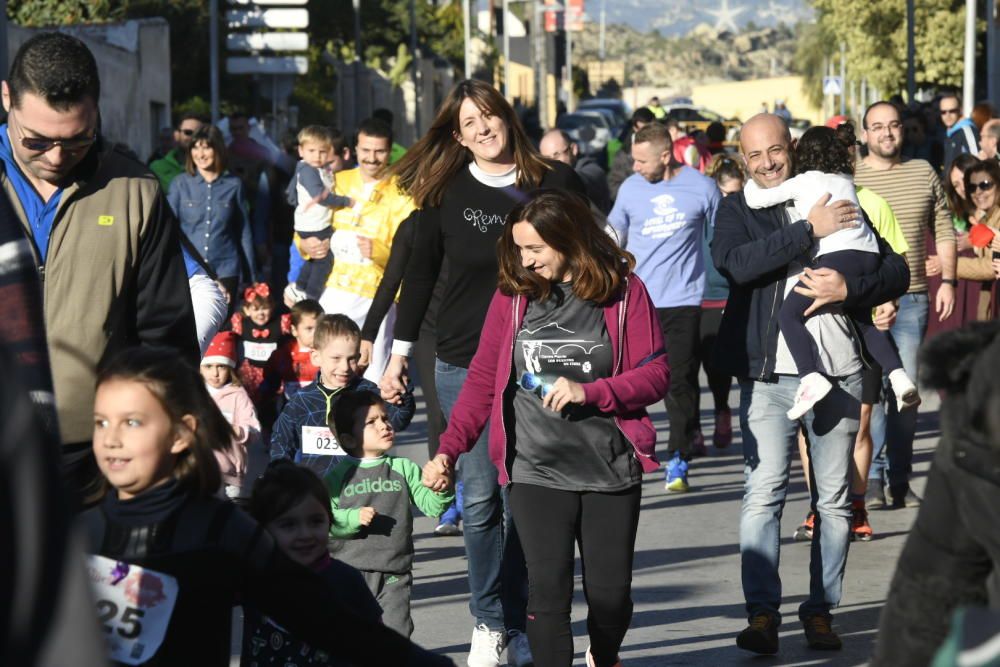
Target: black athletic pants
[[681, 327], [550, 523]]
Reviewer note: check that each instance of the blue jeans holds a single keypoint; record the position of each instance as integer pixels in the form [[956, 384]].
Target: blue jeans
[[498, 578], [769, 437], [893, 431]]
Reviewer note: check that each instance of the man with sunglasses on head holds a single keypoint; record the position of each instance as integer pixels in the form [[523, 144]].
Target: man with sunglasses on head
[[915, 194], [961, 134], [102, 236], [172, 164]]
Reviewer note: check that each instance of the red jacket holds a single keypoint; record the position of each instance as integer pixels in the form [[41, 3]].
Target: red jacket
[[641, 377]]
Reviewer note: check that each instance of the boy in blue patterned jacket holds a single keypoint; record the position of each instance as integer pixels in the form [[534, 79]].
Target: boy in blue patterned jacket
[[302, 431]]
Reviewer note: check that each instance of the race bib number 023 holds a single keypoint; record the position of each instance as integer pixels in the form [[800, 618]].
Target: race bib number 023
[[134, 606], [319, 441]]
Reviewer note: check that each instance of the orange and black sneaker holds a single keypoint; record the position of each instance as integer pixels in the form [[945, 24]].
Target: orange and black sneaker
[[861, 530], [804, 533], [760, 635]]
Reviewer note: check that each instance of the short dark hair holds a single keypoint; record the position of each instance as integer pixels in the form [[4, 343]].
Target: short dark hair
[[211, 135], [373, 127], [384, 115], [827, 150], [57, 67], [864, 117], [642, 115], [716, 131], [191, 115], [283, 486], [305, 307], [345, 413]]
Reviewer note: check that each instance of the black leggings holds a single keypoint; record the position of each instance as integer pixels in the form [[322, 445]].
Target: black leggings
[[549, 523], [792, 321]]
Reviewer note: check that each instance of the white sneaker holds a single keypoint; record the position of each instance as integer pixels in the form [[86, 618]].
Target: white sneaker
[[293, 293], [812, 388], [906, 392], [518, 650], [487, 645]]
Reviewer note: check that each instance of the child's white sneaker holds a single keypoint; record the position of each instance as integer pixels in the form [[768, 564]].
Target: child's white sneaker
[[293, 293], [906, 392], [812, 388]]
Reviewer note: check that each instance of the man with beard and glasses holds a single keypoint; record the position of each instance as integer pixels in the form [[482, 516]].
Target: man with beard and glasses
[[172, 164], [362, 238], [660, 216], [764, 253], [915, 194]]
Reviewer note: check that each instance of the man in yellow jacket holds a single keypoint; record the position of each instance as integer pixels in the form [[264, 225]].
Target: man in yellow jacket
[[362, 236]]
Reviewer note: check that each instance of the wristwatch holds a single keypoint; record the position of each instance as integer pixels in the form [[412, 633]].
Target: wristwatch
[[809, 227], [950, 281]]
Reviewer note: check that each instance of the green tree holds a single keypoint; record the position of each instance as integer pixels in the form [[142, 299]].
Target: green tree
[[875, 34], [37, 13]]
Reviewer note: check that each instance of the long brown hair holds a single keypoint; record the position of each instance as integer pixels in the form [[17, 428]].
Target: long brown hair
[[565, 222], [425, 170]]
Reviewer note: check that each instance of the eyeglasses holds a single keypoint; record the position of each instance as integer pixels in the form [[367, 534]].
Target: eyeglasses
[[531, 382], [44, 145], [948, 112], [187, 132], [985, 186], [879, 128]]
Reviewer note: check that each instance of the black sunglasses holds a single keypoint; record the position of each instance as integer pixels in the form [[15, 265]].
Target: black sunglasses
[[983, 185], [187, 132]]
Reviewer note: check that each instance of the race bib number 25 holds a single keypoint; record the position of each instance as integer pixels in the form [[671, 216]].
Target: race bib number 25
[[134, 606], [319, 441]]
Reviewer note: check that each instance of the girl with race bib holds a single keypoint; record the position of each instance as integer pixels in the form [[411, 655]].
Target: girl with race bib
[[218, 369], [170, 559], [260, 328]]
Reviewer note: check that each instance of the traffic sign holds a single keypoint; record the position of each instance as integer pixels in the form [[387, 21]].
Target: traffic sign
[[267, 18], [833, 85], [267, 65], [267, 41]]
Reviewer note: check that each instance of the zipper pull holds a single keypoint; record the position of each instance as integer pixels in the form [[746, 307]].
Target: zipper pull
[[41, 272]]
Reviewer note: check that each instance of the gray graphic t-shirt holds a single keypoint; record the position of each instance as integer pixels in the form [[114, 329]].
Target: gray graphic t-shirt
[[579, 448]]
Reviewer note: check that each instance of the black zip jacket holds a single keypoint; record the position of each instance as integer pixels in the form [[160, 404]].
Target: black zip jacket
[[222, 557], [953, 549], [752, 248]]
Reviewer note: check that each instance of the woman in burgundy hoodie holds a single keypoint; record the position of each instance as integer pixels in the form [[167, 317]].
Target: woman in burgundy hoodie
[[569, 358]]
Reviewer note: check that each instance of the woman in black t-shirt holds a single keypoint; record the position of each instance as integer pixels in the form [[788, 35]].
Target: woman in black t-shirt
[[465, 175]]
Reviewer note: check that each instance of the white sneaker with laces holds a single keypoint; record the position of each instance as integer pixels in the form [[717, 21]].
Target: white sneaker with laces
[[293, 293], [812, 388], [487, 645], [518, 649], [906, 392]]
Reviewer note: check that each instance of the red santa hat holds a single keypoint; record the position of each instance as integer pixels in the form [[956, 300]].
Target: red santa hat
[[222, 350]]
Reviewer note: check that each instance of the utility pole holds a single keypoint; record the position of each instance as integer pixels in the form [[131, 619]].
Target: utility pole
[[603, 17], [213, 57], [969, 80], [992, 54], [911, 53], [843, 78], [569, 66], [540, 66], [506, 49], [415, 53], [467, 32]]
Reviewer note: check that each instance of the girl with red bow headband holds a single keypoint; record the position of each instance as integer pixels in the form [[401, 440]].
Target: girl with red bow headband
[[260, 329]]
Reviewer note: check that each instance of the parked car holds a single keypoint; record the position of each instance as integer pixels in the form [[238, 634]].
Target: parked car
[[589, 130], [621, 111], [693, 118]]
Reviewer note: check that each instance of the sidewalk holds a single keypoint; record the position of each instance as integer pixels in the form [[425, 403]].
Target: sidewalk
[[688, 600]]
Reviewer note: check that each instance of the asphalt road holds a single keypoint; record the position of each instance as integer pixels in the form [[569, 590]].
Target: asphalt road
[[686, 587]]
